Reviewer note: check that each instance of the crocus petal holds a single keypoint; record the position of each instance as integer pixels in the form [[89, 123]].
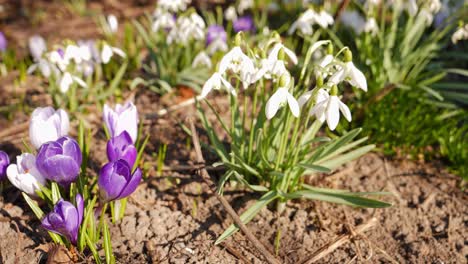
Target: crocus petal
[[132, 184]]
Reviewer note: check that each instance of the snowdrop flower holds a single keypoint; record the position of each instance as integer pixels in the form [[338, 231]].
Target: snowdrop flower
[[323, 63], [303, 23], [244, 5], [328, 107], [24, 175], [77, 53], [112, 23], [123, 118], [202, 59], [47, 124], [58, 58], [44, 66], [324, 19], [351, 74], [216, 81], [235, 60], [460, 34], [281, 97], [353, 20], [191, 27], [162, 20], [67, 80], [230, 13], [271, 69], [107, 52], [174, 5], [371, 26], [434, 6], [273, 55], [37, 47], [411, 6]]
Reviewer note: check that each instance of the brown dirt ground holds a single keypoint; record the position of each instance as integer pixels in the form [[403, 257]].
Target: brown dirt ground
[[171, 218]]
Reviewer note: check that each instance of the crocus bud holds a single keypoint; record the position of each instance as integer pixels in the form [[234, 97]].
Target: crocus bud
[[121, 147], [123, 118], [25, 175], [3, 42], [60, 160], [37, 46], [47, 125], [244, 24], [65, 219], [215, 32], [4, 162], [116, 180]]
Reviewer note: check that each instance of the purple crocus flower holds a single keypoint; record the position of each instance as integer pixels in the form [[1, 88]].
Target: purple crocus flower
[[116, 180], [60, 160], [121, 147], [215, 32], [3, 42], [244, 23], [4, 162], [65, 219]]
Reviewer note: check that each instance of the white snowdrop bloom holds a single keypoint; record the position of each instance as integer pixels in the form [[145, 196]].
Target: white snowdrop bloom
[[434, 6], [58, 58], [244, 5], [24, 175], [322, 65], [328, 107], [278, 99], [188, 28], [460, 34], [217, 45], [318, 110], [235, 60], [304, 23], [174, 5], [77, 53], [113, 23], [247, 73], [67, 80], [427, 16], [37, 47], [411, 6], [230, 13], [202, 59], [353, 20], [108, 51], [271, 69], [162, 20], [44, 66], [273, 55], [216, 81], [324, 19], [351, 74], [371, 26]]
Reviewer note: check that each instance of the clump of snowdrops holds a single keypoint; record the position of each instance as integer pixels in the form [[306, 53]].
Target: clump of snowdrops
[[275, 120]]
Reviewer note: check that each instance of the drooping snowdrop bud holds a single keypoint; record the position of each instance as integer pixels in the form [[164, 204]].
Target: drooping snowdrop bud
[[281, 97], [216, 81], [324, 19], [3, 42], [116, 180], [328, 107], [66, 80], [121, 147], [24, 175], [65, 219], [230, 13], [349, 73], [244, 5], [108, 51], [279, 47], [113, 23], [4, 162], [47, 125], [245, 24], [202, 59], [123, 118], [60, 160], [37, 47]]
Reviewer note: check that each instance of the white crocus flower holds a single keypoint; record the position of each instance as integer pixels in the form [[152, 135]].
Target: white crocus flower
[[328, 107], [277, 48], [113, 23], [24, 175], [107, 52], [216, 81], [371, 26], [47, 125], [202, 59], [351, 74], [230, 14], [37, 47], [235, 60], [121, 118], [67, 80], [174, 5], [279, 98]]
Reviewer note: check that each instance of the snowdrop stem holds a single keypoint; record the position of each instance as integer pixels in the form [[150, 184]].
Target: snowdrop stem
[[284, 141], [341, 51], [252, 123]]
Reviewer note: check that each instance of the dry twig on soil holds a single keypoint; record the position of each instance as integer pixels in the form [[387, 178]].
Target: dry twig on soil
[[212, 187]]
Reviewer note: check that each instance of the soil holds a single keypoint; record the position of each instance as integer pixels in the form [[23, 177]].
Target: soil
[[173, 218]]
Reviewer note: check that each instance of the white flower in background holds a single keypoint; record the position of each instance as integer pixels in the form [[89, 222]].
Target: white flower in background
[[304, 23], [328, 107], [371, 3], [77, 53], [37, 47], [271, 69], [44, 66], [353, 20], [371, 26], [24, 175], [162, 19], [322, 65], [122, 118], [217, 45], [230, 13], [235, 60], [216, 81], [427, 16], [57, 57], [460, 34], [280, 98], [47, 125], [113, 23], [351, 74], [66, 80], [188, 28], [324, 19], [174, 5], [244, 5], [273, 55], [202, 59], [411, 6], [434, 6], [108, 51]]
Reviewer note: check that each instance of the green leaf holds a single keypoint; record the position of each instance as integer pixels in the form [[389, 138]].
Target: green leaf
[[114, 83], [249, 214], [339, 198], [314, 168], [55, 192], [342, 159], [108, 245], [92, 247], [338, 191]]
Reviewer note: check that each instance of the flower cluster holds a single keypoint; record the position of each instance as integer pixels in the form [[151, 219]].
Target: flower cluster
[[309, 18], [460, 34], [69, 63]]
